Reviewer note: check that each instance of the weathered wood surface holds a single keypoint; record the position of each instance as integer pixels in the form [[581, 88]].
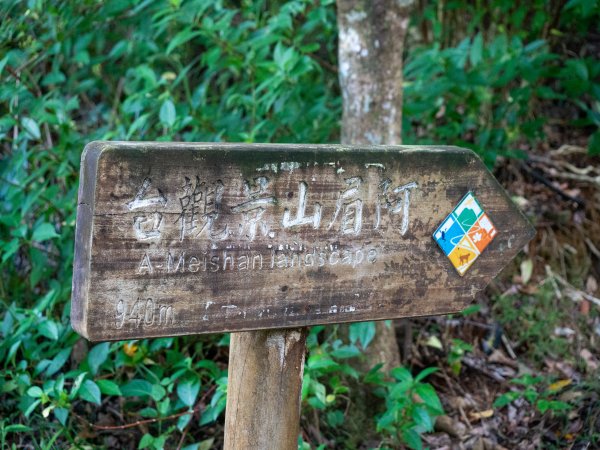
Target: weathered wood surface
[[263, 390], [179, 239]]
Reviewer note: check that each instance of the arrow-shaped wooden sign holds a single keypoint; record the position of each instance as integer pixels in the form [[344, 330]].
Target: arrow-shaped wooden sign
[[177, 239]]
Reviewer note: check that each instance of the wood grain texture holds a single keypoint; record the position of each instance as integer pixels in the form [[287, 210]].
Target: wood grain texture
[[233, 267], [263, 390]]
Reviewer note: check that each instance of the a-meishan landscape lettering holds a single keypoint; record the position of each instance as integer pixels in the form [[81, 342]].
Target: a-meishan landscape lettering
[[226, 260]]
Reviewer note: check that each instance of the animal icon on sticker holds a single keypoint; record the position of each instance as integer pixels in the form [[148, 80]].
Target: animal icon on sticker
[[465, 233]]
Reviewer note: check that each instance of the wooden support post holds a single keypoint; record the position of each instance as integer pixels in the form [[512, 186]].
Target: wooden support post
[[264, 387]]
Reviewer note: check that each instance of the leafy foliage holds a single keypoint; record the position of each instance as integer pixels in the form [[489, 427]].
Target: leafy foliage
[[544, 400], [482, 77], [73, 72], [200, 70], [411, 405]]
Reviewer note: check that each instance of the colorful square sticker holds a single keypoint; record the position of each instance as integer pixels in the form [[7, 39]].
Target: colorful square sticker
[[465, 233]]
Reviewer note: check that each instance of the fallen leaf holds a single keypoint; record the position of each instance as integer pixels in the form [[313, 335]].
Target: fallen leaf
[[486, 414], [434, 342], [565, 369], [448, 425], [591, 285], [559, 385], [499, 357], [521, 202], [564, 331], [457, 402], [584, 307], [570, 396], [526, 270], [590, 361]]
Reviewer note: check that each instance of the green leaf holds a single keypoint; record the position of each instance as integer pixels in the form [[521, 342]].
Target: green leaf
[[61, 415], [505, 399], [187, 391], [183, 421], [430, 398], [425, 373], [3, 63], [97, 356], [136, 388], [17, 428], [181, 38], [31, 127], [472, 309], [108, 387], [399, 390], [77, 385], [412, 439], [364, 332], [43, 232], [58, 361], [157, 392], [148, 412], [119, 49], [31, 408], [167, 113], [401, 374], [594, 144], [89, 391], [346, 351], [422, 418], [146, 441], [387, 420], [533, 46], [10, 249], [35, 392], [476, 52], [206, 444], [579, 67], [49, 329], [552, 405], [55, 77]]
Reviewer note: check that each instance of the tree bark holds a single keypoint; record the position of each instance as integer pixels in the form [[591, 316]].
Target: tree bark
[[371, 44], [264, 389]]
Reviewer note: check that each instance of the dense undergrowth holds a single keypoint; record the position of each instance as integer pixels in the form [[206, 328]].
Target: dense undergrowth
[[75, 71]]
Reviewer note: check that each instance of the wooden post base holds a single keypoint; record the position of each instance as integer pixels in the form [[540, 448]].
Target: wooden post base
[[264, 387]]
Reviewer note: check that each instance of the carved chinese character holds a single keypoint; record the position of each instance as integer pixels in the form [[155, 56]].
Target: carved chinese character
[[396, 201], [301, 218], [201, 203], [253, 209], [147, 225], [350, 206]]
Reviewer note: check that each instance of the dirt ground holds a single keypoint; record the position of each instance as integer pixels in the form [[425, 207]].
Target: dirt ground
[[537, 323]]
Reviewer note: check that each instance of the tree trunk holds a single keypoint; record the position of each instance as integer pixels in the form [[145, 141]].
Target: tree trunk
[[371, 43]]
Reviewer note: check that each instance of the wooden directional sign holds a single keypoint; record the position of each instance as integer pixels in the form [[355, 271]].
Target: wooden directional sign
[[177, 239]]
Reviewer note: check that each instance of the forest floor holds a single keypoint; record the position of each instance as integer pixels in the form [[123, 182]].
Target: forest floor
[[520, 368]]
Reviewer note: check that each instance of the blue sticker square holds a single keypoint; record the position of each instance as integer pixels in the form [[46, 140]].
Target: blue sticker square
[[449, 234]]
